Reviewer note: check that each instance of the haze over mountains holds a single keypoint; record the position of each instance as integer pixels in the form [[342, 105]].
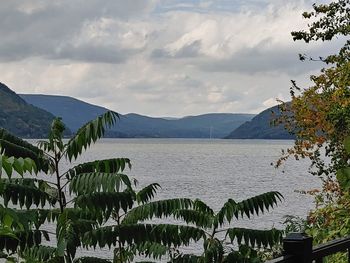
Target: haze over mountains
[[75, 113], [30, 116]]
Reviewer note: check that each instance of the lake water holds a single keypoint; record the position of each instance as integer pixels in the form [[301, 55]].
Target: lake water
[[215, 170]]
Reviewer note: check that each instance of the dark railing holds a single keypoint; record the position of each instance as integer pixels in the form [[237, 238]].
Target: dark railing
[[297, 248]]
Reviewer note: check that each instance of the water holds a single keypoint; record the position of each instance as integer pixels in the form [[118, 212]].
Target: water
[[215, 170]]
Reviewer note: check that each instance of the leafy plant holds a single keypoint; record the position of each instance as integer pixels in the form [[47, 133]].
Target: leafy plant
[[221, 243], [99, 193], [104, 209], [40, 201], [331, 219]]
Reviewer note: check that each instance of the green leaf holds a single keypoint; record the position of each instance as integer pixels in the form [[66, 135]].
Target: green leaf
[[105, 203], [70, 228], [6, 165], [39, 253], [198, 218], [248, 207], [61, 247], [89, 133], [20, 165], [23, 240], [147, 193], [7, 220], [343, 177], [86, 183], [111, 166], [214, 251], [11, 145], [347, 145], [26, 192], [158, 209], [200, 206], [150, 249], [255, 238], [164, 234]]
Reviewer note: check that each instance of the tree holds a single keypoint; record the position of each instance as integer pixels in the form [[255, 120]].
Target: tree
[[319, 115], [331, 219], [103, 207], [27, 192], [99, 192], [320, 118]]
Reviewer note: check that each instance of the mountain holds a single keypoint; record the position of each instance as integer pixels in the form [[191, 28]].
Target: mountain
[[214, 125], [76, 112], [20, 118], [260, 127]]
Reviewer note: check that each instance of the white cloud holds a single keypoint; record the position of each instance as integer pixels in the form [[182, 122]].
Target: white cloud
[[159, 57], [273, 101]]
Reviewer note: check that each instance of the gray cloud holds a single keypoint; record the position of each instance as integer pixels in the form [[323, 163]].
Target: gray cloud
[[156, 57], [93, 53], [38, 28], [187, 51], [261, 58], [255, 60]]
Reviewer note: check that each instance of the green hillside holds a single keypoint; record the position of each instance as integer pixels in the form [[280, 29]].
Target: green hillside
[[260, 128], [21, 118]]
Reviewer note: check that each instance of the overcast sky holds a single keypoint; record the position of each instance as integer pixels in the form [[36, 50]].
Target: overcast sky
[[157, 57]]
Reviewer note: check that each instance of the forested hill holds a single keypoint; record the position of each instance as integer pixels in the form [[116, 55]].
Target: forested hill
[[260, 128], [21, 118], [76, 112]]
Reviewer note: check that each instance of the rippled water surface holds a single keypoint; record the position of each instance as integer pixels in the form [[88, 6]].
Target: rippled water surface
[[215, 170]]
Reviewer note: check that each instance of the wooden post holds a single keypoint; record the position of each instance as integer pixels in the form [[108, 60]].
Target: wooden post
[[300, 246]]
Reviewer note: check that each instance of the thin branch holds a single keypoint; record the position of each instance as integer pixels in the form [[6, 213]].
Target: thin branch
[[49, 155], [64, 174], [70, 201], [221, 230], [65, 184], [49, 232], [206, 232]]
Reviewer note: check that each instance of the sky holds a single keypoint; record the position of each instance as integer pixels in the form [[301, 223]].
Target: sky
[[157, 57]]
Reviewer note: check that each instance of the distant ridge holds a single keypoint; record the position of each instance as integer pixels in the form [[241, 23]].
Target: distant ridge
[[260, 128], [20, 118], [76, 112]]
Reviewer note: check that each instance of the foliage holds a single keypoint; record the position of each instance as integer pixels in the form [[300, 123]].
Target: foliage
[[330, 220], [294, 224], [320, 118], [104, 209], [214, 230], [29, 202], [320, 115]]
